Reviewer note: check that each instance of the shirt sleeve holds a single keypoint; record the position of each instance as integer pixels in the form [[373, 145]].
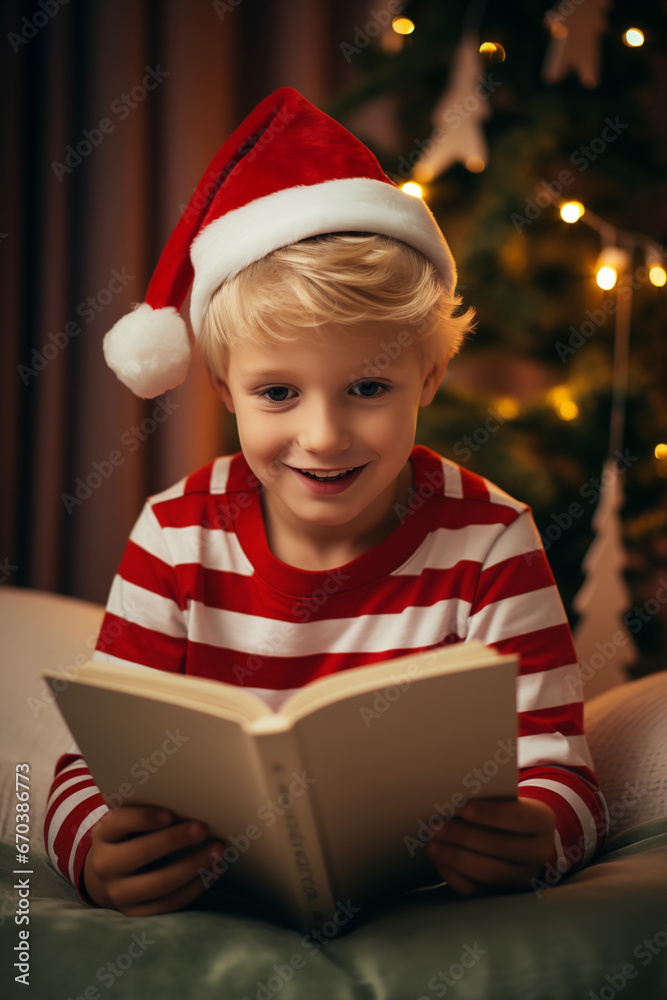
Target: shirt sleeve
[[517, 609], [143, 626]]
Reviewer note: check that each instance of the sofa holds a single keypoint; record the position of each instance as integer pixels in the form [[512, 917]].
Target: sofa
[[600, 933]]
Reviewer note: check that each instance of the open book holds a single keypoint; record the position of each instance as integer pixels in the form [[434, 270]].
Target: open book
[[323, 804]]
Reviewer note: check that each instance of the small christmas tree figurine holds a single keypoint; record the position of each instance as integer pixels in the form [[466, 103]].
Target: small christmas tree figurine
[[604, 645]]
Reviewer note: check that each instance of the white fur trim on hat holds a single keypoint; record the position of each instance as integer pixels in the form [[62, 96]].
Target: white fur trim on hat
[[359, 204], [149, 350]]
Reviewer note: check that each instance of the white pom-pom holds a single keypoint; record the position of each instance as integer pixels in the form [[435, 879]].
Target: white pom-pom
[[148, 349]]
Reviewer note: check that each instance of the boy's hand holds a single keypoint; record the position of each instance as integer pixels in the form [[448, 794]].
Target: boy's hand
[[128, 867], [494, 846]]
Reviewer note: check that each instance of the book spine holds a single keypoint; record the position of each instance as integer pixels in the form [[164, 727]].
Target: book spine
[[301, 851]]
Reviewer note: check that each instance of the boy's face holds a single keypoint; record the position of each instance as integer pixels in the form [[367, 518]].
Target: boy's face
[[317, 407]]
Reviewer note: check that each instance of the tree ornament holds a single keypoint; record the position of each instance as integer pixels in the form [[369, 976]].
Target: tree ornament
[[604, 645], [457, 136], [575, 29]]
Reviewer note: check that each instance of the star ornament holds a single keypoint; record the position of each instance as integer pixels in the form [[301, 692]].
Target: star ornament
[[457, 136], [575, 27]]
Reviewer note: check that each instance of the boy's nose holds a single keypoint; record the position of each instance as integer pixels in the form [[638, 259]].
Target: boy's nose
[[323, 431]]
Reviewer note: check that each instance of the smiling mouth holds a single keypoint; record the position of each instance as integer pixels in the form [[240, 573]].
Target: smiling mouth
[[327, 477]]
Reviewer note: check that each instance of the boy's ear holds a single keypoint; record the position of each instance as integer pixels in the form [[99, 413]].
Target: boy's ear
[[221, 389], [432, 380]]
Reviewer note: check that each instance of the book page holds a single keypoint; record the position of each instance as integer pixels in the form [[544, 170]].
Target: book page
[[142, 751], [218, 698], [386, 762], [399, 671]]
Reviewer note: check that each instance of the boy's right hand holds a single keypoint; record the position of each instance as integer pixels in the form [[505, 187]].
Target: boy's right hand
[[128, 839]]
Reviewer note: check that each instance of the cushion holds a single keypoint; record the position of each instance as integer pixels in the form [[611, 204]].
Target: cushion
[[627, 737], [603, 931]]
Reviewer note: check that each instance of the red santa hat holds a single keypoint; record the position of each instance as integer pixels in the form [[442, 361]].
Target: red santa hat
[[288, 172]]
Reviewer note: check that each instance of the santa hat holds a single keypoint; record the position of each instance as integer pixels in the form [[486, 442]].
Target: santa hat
[[288, 172]]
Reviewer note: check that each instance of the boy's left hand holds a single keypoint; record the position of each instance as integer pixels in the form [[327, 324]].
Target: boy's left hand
[[494, 845]]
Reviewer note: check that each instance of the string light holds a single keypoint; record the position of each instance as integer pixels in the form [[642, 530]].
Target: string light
[[610, 262], [633, 38], [656, 271], [507, 406], [613, 259], [475, 164], [493, 51], [571, 211], [660, 451], [415, 190], [562, 402], [606, 277], [403, 25]]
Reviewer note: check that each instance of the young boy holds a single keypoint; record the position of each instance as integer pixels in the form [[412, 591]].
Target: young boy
[[323, 303]]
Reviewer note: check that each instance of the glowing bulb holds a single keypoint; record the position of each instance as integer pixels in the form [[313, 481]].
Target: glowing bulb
[[475, 164], [403, 25], [633, 37], [414, 189], [493, 51], [657, 276], [568, 410], [660, 451], [606, 277], [558, 394], [571, 211], [507, 407], [611, 260]]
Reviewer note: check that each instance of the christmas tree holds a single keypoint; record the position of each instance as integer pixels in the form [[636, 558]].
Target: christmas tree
[[503, 112]]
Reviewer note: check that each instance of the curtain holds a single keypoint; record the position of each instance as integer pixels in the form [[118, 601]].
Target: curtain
[[112, 112]]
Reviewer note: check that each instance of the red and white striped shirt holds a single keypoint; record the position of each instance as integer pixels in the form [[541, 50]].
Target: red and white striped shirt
[[198, 591]]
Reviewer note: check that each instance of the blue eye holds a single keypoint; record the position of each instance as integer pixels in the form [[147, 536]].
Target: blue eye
[[371, 390], [280, 396]]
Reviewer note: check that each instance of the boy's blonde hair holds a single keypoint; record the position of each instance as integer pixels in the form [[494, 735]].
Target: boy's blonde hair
[[343, 279]]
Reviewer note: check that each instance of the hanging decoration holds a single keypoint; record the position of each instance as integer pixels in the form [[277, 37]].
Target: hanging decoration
[[457, 136], [604, 645], [575, 30]]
